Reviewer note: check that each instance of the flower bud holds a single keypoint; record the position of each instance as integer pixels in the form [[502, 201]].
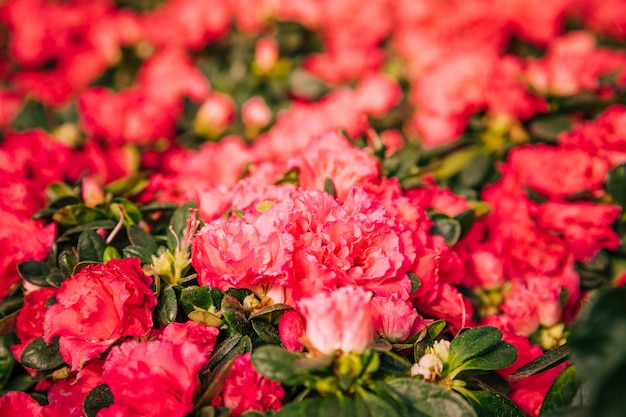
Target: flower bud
[[255, 113], [266, 53], [215, 115], [429, 366]]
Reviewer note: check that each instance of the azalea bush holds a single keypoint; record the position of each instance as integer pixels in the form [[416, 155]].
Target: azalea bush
[[217, 208]]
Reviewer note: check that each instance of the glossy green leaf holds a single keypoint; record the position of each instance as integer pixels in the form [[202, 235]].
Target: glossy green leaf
[[415, 281], [548, 360], [7, 360], [266, 331], [90, 246], [32, 115], [167, 310], [194, 298], [110, 253], [616, 184], [455, 162], [95, 225], [234, 315], [141, 238], [157, 207], [223, 349], [56, 190], [466, 220], [477, 170], [127, 186], [270, 313], [548, 127], [277, 363], [490, 404], [290, 177], [138, 252], [447, 227], [471, 343], [76, 214], [178, 223], [424, 399], [329, 187], [501, 356], [562, 392], [67, 262], [40, 356], [132, 214], [40, 274], [369, 405], [98, 398], [206, 318]]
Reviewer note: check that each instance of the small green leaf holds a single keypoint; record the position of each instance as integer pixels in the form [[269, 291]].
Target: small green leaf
[[477, 170], [141, 238], [424, 399], [7, 360], [502, 355], [270, 313], [90, 246], [67, 262], [447, 227], [40, 274], [223, 349], [490, 404], [179, 223], [157, 207], [110, 253], [42, 357], [132, 214], [31, 116], [95, 225], [266, 331], [472, 343], [329, 187], [436, 327], [206, 318], [98, 398], [466, 220], [194, 298], [76, 214], [562, 392], [127, 186], [290, 177], [168, 306], [276, 363], [138, 252], [9, 309], [548, 360], [455, 162], [56, 190], [616, 184], [415, 281], [369, 405], [548, 127]]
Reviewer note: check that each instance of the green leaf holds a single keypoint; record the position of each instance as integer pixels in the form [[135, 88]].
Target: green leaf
[[179, 223], [471, 343], [7, 360], [156, 207], [502, 355], [548, 127], [42, 357], [616, 184], [477, 170], [110, 253], [234, 315], [98, 398], [206, 318], [127, 186], [562, 392], [447, 227], [76, 214], [270, 313], [276, 363], [369, 405], [490, 404], [466, 220], [95, 225], [67, 262], [9, 309], [57, 190], [331, 406], [290, 177], [141, 238], [424, 399], [132, 214], [329, 187], [138, 252], [415, 281], [266, 331], [167, 309], [548, 360], [223, 349], [40, 274], [436, 327], [194, 298], [90, 246], [455, 162], [33, 115]]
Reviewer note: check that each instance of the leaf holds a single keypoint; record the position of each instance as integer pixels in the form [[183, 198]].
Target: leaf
[[318, 407], [490, 404], [548, 360], [223, 349], [424, 399], [562, 392], [548, 128], [503, 355], [195, 298], [466, 220], [167, 310], [266, 331], [76, 214], [436, 327], [477, 170], [141, 238], [455, 162], [127, 186], [277, 363], [7, 360], [138, 252], [329, 187], [270, 313], [616, 184], [156, 207], [471, 343], [234, 315], [206, 318], [40, 356], [132, 214], [95, 225], [40, 274], [369, 405], [57, 190], [415, 281], [447, 227], [110, 253], [98, 398], [67, 262], [178, 223], [90, 246], [290, 177], [32, 115]]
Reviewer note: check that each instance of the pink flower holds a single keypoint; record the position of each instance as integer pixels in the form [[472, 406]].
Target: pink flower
[[255, 112], [17, 403], [585, 226], [246, 390], [98, 306], [395, 318], [215, 115], [199, 334], [338, 321], [266, 53], [377, 93], [238, 254], [164, 377], [291, 330], [70, 393]]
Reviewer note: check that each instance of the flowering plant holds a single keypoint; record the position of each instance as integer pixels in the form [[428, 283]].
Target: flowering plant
[[262, 208]]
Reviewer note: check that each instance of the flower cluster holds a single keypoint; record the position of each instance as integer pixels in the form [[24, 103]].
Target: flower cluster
[[221, 207]]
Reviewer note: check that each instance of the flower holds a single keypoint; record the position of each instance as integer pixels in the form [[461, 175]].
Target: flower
[[199, 334], [97, 306], [163, 376], [246, 390], [338, 321]]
